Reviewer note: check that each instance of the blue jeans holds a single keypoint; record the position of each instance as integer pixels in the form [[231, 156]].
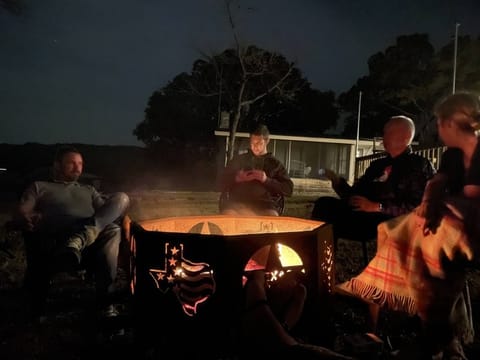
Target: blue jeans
[[100, 257], [114, 207]]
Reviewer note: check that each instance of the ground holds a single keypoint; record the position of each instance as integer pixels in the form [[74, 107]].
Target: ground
[[70, 329]]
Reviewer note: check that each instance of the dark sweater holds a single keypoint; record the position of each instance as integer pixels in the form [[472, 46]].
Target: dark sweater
[[278, 182], [398, 183]]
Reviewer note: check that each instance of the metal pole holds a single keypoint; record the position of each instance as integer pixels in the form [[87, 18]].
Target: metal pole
[[358, 122], [455, 57]]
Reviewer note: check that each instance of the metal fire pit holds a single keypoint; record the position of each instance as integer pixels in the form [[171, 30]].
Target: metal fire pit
[[187, 275]]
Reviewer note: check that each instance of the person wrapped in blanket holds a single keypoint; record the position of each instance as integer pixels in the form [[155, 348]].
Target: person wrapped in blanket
[[453, 191], [421, 262]]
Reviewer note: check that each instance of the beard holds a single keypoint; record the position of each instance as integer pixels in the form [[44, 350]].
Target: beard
[[73, 176]]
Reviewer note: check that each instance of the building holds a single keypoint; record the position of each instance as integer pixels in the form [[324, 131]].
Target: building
[[305, 156]]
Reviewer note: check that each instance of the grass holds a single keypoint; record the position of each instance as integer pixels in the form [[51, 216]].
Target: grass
[[68, 331]]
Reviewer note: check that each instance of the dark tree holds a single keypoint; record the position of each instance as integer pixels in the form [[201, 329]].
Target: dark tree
[[396, 85], [261, 86], [407, 79]]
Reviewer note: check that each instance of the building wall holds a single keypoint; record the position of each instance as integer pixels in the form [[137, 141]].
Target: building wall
[[303, 157]]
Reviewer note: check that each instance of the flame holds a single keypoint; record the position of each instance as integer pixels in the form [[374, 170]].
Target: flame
[[287, 256]]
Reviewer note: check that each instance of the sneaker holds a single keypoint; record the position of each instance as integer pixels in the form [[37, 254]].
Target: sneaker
[[75, 242], [108, 312], [90, 234], [83, 237]]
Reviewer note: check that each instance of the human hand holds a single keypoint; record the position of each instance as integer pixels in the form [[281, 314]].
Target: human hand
[[31, 221], [361, 203], [430, 209], [258, 175], [330, 175], [242, 175], [429, 216]]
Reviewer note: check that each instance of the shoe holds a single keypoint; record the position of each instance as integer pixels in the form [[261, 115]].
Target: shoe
[[90, 233], [108, 312], [75, 242], [83, 236]]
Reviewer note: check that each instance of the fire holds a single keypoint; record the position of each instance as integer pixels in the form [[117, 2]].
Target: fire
[[276, 261]]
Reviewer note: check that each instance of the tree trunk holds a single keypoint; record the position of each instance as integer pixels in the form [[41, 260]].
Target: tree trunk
[[236, 120], [233, 133]]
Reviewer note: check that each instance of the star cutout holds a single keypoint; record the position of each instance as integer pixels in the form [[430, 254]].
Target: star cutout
[[160, 276]]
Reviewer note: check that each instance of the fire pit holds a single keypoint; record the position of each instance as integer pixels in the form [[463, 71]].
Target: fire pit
[[187, 274]]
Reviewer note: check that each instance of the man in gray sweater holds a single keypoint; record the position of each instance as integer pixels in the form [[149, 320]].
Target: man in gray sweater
[[67, 224]]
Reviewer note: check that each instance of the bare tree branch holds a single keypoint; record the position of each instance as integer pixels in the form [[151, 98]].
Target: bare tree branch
[[235, 36], [272, 88], [396, 108]]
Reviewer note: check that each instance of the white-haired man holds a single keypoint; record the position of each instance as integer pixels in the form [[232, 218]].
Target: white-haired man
[[391, 186]]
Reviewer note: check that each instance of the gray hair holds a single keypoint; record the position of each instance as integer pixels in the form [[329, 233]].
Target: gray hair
[[406, 121]]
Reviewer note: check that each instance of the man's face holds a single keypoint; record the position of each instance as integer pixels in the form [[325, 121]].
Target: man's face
[[396, 137], [258, 145], [70, 167]]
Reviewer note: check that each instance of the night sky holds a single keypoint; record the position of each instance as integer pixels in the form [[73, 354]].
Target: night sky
[[82, 71]]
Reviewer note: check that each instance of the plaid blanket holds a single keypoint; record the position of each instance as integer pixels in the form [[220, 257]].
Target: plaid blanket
[[413, 272]]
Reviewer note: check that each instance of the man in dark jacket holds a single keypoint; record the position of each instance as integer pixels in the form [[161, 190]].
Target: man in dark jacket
[[391, 186], [256, 182]]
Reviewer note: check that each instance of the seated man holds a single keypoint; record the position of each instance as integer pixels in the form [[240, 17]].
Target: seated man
[[422, 257], [66, 223], [255, 181], [391, 186]]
